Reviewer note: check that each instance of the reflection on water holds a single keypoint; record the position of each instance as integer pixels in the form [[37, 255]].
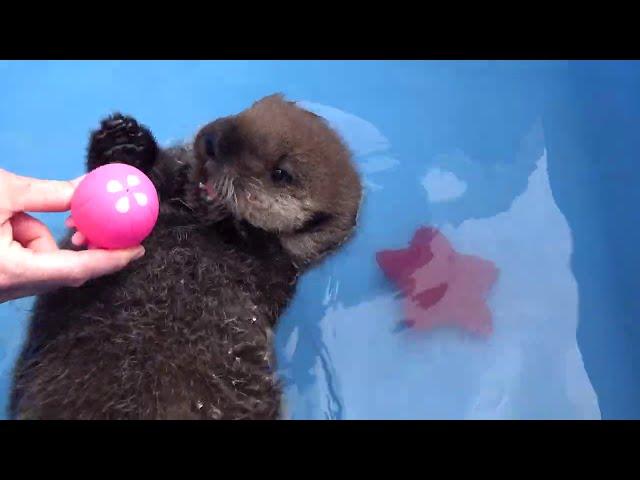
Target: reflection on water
[[340, 344]]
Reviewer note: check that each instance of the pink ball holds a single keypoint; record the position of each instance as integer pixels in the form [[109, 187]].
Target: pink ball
[[115, 206]]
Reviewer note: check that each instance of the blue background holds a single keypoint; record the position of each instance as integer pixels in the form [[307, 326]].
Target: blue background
[[589, 113]]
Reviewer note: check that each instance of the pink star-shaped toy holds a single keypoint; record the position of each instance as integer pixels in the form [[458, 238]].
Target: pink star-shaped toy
[[441, 286]]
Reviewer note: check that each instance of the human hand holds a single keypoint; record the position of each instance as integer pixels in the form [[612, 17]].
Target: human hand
[[30, 260]]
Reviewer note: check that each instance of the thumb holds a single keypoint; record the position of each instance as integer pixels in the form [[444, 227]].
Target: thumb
[[36, 195]]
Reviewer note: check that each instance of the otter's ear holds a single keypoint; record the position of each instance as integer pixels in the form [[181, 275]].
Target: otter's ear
[[313, 115], [274, 97], [322, 234], [307, 112]]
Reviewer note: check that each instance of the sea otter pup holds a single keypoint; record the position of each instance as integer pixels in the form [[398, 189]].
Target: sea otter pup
[[186, 332]]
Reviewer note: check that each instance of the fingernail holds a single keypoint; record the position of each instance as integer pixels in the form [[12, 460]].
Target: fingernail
[[76, 181], [139, 253], [76, 239]]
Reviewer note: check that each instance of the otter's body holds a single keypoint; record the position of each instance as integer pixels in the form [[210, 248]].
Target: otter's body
[[182, 333], [186, 331]]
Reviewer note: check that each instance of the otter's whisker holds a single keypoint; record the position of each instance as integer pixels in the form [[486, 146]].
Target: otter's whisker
[[227, 189], [235, 197], [179, 200]]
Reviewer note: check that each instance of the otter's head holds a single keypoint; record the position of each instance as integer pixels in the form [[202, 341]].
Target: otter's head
[[281, 169]]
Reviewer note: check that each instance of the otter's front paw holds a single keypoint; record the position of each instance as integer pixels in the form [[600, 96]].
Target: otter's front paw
[[121, 139]]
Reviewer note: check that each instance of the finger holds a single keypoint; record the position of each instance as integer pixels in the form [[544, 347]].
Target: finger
[[67, 267], [31, 233], [78, 239], [35, 195]]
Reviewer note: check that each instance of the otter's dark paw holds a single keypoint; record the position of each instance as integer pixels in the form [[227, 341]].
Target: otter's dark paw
[[121, 139]]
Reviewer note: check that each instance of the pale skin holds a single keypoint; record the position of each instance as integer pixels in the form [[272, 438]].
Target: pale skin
[[30, 261]]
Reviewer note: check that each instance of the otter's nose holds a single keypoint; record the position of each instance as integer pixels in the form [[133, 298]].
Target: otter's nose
[[210, 146], [219, 142]]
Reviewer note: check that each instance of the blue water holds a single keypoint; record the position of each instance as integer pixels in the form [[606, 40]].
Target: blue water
[[531, 165]]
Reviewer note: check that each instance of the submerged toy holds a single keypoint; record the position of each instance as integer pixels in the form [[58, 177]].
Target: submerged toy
[[441, 286], [115, 206]]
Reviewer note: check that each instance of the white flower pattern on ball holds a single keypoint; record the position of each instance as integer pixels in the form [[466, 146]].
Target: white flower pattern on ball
[[123, 204]]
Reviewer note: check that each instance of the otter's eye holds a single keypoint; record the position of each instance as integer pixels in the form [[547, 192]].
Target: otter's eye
[[281, 176]]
